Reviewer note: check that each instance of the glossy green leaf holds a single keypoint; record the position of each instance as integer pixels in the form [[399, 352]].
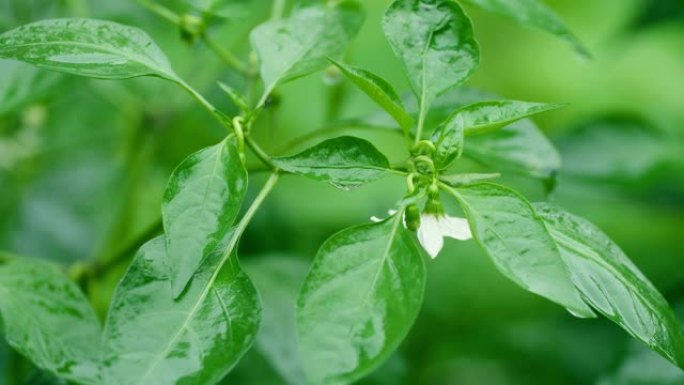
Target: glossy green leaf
[[380, 91], [278, 279], [533, 13], [296, 46], [479, 118], [152, 338], [86, 47], [345, 162], [21, 84], [434, 39], [520, 147], [359, 300], [516, 239], [47, 319], [613, 285], [201, 201], [460, 180]]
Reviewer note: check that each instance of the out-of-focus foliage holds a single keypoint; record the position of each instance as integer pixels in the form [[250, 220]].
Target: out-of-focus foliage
[[84, 163]]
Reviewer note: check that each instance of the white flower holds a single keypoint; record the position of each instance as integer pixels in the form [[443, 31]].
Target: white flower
[[434, 227]]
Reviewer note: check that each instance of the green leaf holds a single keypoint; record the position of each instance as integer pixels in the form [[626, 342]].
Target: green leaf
[[21, 84], [345, 162], [380, 91], [535, 14], [201, 201], [479, 118], [520, 147], [48, 320], [613, 285], [278, 279], [150, 337], [359, 300], [86, 47], [434, 39], [515, 238], [621, 150], [296, 46], [460, 180]]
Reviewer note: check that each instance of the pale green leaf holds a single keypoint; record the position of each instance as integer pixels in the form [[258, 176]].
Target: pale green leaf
[[518, 243], [47, 319], [201, 201], [21, 84], [380, 91], [520, 147], [359, 301], [300, 44], [479, 118], [434, 39], [152, 338], [613, 285], [86, 47], [533, 13]]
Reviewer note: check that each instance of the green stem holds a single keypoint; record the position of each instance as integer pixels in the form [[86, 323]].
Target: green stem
[[162, 11], [204, 102], [421, 122], [242, 225], [227, 56], [260, 153], [277, 10]]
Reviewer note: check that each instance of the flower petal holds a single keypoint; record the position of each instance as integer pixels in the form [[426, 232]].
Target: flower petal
[[429, 235], [454, 227]]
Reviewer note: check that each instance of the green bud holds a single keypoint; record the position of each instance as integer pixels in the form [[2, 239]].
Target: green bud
[[191, 27], [412, 217]]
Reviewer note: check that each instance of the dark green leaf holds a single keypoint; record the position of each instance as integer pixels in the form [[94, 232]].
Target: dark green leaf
[[278, 279], [359, 300], [152, 338], [48, 320], [516, 239], [520, 147], [345, 162], [613, 285], [86, 47], [201, 201], [380, 91], [296, 46], [434, 39], [479, 118], [535, 14]]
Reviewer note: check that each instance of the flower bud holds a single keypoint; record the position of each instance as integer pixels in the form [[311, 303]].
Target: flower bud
[[412, 217]]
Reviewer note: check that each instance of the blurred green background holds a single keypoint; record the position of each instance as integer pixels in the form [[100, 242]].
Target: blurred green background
[[83, 164]]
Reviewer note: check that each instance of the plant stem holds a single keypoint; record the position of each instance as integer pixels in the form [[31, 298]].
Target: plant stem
[[260, 153], [242, 225], [162, 11], [277, 10], [204, 102], [227, 56], [421, 122]]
